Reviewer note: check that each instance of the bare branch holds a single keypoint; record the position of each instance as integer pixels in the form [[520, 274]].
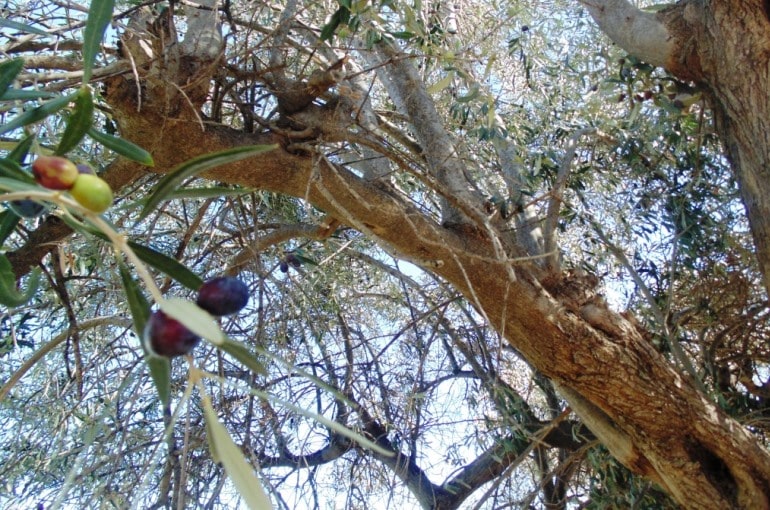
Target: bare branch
[[554, 206]]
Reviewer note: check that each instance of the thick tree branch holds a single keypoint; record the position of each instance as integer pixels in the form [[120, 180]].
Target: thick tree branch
[[438, 148], [638, 32], [336, 448]]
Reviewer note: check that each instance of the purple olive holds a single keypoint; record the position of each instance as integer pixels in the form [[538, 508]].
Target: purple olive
[[168, 337], [223, 295], [293, 260], [84, 169]]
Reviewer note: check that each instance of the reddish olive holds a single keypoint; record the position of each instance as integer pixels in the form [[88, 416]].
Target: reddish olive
[[54, 172], [168, 337]]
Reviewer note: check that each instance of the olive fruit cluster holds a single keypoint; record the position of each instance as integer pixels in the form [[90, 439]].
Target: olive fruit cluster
[[88, 189], [165, 336]]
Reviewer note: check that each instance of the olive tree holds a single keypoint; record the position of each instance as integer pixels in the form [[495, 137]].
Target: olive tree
[[445, 197]]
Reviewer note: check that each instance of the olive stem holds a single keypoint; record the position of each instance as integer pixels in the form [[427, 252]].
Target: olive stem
[[117, 239]]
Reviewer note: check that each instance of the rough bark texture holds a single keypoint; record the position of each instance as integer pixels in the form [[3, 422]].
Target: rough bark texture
[[730, 40], [724, 47]]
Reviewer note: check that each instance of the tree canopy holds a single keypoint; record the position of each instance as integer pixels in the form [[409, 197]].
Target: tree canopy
[[499, 254]]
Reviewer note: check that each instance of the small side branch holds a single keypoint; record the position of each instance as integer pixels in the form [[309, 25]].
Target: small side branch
[[554, 206]]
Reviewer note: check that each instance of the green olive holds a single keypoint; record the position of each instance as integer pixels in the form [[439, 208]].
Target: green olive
[[92, 192]]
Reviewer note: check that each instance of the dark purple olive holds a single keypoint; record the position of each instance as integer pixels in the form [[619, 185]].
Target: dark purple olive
[[293, 260], [168, 337], [27, 208], [284, 266], [85, 169], [224, 295]]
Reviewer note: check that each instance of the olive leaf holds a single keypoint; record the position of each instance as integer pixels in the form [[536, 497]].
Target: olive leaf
[[78, 123], [123, 147], [99, 15], [9, 294], [174, 178], [224, 449]]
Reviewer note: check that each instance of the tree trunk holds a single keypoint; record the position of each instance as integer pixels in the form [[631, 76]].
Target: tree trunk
[[731, 42], [724, 47]]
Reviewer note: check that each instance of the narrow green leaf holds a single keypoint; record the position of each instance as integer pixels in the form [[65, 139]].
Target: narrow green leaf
[[167, 265], [193, 193], [99, 15], [195, 318], [79, 122], [36, 114], [443, 83], [8, 222], [8, 72], [199, 164], [11, 169], [27, 95], [9, 294], [7, 184], [137, 302], [305, 260], [326, 422], [160, 371], [212, 444], [123, 147], [240, 352], [21, 150], [21, 27], [403, 35], [212, 192], [240, 472], [327, 31], [160, 367]]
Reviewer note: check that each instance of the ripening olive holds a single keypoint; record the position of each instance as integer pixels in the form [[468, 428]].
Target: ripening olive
[[54, 172], [168, 337], [92, 192]]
